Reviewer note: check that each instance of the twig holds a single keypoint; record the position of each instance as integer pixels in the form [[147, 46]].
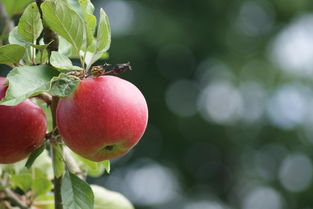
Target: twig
[[47, 98]]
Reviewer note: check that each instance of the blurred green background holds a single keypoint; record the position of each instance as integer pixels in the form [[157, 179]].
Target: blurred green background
[[229, 89]]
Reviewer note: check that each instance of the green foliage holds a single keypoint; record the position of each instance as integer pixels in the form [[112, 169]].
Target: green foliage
[[41, 186], [37, 70], [64, 21], [76, 193], [64, 85], [16, 38], [94, 169], [27, 81], [30, 24], [13, 7], [11, 54], [31, 159], [103, 40], [90, 20], [22, 181], [62, 62], [109, 200]]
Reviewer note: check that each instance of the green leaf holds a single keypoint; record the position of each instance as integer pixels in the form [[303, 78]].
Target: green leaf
[[87, 9], [27, 81], [14, 6], [64, 21], [11, 53], [103, 40], [62, 62], [30, 25], [44, 164], [47, 111], [16, 38], [22, 181], [64, 85], [65, 48], [41, 186], [107, 165], [76, 193], [31, 159], [94, 169], [103, 33], [41, 47], [109, 200]]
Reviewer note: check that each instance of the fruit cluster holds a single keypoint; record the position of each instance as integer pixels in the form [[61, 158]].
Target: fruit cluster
[[103, 119]]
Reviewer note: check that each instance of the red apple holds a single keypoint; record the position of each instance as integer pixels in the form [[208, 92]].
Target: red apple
[[22, 128], [104, 118]]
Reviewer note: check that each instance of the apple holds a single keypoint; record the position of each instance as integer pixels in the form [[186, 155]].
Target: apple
[[22, 128], [104, 118], [107, 199]]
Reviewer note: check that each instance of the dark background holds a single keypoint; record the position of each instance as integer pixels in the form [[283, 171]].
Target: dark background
[[229, 90]]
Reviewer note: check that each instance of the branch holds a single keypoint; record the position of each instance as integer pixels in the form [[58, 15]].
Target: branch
[[51, 37], [47, 98]]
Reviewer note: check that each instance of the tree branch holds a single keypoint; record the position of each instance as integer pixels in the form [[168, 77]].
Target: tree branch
[[50, 37]]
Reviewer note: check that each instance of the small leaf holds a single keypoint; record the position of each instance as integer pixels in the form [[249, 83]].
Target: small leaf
[[41, 47], [64, 85], [44, 164], [87, 9], [103, 40], [64, 21], [30, 25], [107, 165], [31, 159], [16, 38], [76, 193], [103, 33], [94, 169], [11, 53], [41, 186], [62, 62], [65, 48], [22, 181], [27, 81], [47, 111], [14, 6]]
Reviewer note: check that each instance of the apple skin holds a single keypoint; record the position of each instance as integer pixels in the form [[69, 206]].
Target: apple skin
[[103, 119], [22, 128]]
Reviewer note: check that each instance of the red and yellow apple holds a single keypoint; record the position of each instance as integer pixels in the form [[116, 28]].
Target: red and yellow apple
[[23, 128], [103, 119]]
